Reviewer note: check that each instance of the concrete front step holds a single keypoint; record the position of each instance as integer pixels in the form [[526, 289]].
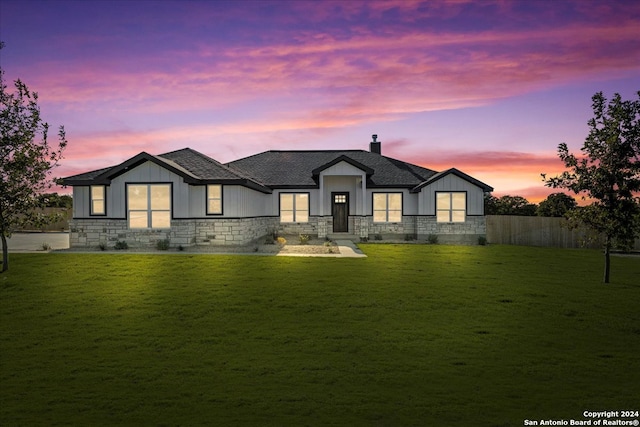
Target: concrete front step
[[343, 236]]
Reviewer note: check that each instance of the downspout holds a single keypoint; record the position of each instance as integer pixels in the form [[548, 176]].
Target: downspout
[[364, 222]]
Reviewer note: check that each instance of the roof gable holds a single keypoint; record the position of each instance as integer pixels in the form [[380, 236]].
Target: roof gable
[[135, 161], [192, 166], [342, 158], [456, 172]]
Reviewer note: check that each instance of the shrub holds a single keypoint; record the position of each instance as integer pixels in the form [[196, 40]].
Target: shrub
[[377, 236], [281, 241], [364, 239], [46, 247], [432, 239], [304, 239], [163, 245], [102, 246], [180, 248], [120, 245], [482, 240], [409, 237]]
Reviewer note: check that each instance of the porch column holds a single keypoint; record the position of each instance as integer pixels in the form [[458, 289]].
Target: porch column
[[363, 177], [364, 222], [321, 198], [322, 223]]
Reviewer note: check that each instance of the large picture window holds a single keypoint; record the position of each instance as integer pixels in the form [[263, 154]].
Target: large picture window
[[98, 200], [214, 199], [294, 207], [387, 207], [149, 205], [451, 207]]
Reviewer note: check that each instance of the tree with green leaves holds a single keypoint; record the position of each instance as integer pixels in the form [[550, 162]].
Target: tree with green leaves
[[607, 173], [26, 160], [508, 205], [556, 205], [55, 200]]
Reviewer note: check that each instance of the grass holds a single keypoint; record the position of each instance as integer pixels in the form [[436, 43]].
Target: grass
[[411, 335]]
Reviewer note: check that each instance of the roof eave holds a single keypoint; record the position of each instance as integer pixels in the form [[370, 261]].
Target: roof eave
[[240, 181]]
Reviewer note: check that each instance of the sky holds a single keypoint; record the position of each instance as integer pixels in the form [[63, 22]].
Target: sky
[[490, 87]]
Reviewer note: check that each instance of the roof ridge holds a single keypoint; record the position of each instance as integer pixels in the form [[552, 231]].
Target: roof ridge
[[410, 167], [173, 164], [177, 151], [315, 151], [236, 171]]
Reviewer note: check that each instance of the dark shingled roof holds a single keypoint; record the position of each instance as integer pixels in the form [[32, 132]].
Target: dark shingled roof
[[202, 166], [293, 169], [194, 167], [278, 169], [87, 176]]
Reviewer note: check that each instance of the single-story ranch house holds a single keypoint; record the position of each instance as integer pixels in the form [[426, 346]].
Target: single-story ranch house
[[191, 199]]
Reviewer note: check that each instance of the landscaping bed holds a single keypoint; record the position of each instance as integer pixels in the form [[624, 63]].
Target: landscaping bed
[[288, 245]]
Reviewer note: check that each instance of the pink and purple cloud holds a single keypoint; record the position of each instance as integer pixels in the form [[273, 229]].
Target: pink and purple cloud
[[234, 78]]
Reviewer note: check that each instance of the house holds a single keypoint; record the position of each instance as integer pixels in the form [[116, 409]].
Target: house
[[191, 199]]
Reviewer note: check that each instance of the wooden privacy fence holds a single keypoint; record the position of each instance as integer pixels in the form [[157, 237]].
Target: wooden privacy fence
[[538, 231]]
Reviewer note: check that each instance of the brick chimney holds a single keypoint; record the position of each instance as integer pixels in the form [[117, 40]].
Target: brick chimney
[[375, 146]]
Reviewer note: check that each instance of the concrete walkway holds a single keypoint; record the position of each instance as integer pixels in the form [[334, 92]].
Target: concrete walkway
[[346, 249], [349, 249]]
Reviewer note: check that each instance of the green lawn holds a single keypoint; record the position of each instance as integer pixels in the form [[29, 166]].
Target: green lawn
[[425, 335]]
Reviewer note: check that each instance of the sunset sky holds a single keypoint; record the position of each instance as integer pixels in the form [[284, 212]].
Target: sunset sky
[[488, 87]]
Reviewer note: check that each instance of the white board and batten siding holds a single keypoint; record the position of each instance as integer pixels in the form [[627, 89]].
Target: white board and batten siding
[[342, 177], [342, 184], [451, 183], [189, 201], [82, 202], [147, 173], [342, 169], [243, 202], [237, 202]]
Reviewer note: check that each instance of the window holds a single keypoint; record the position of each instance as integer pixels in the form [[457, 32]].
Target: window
[[294, 207], [214, 199], [387, 207], [149, 205], [97, 200], [451, 207]]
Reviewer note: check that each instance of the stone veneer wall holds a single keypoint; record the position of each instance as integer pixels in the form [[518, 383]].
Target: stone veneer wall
[[239, 231], [393, 229], [184, 232], [295, 228], [421, 227], [467, 232]]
